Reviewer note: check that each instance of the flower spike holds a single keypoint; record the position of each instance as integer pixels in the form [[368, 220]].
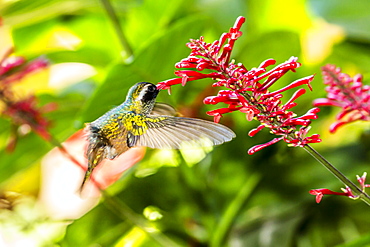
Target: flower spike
[[347, 93], [21, 111], [247, 90]]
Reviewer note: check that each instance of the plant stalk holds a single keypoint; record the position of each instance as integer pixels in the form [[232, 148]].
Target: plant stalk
[[232, 211], [126, 213], [118, 28], [354, 188]]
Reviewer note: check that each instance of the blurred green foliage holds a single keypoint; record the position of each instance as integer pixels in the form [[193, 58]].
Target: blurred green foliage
[[260, 200]]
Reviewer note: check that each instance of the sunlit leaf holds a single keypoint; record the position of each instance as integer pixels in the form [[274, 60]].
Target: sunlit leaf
[[353, 17], [66, 74], [153, 63]]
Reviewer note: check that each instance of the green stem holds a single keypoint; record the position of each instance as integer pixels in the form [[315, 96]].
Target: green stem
[[232, 211], [123, 211], [355, 189], [117, 27]]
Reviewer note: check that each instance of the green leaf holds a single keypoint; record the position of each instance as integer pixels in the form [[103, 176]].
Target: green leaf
[[353, 16], [153, 63], [28, 12], [95, 229], [363, 241]]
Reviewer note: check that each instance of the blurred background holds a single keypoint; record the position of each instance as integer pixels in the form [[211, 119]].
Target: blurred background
[[218, 197]]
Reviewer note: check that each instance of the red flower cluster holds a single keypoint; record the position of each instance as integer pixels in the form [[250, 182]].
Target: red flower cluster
[[319, 193], [21, 111], [347, 93], [247, 89]]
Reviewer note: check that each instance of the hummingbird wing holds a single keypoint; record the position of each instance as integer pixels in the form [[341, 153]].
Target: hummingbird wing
[[163, 109], [168, 132]]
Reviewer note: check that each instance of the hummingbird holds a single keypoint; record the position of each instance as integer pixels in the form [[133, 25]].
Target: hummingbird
[[140, 121]]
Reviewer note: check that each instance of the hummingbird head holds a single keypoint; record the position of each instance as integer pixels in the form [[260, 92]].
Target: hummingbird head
[[143, 94], [143, 91]]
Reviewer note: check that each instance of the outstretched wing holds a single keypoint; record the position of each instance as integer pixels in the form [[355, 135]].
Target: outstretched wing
[[163, 109], [168, 132]]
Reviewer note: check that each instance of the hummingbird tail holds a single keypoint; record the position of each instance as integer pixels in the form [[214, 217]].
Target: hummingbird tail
[[87, 175]]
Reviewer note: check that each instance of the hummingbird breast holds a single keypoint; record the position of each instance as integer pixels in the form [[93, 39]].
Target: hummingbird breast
[[108, 134]]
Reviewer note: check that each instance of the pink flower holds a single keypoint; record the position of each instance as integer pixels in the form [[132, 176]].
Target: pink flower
[[21, 111], [63, 169], [347, 93], [319, 193], [247, 90], [26, 112]]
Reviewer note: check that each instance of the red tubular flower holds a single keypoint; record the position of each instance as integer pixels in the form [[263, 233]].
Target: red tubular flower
[[247, 90], [319, 193], [21, 111], [347, 93]]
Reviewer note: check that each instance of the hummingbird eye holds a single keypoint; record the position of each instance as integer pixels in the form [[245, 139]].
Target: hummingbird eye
[[147, 93], [151, 88]]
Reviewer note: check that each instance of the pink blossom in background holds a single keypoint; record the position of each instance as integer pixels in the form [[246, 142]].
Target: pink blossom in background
[[345, 92]]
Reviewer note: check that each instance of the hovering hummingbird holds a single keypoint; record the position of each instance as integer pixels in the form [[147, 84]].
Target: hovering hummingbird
[[140, 121]]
